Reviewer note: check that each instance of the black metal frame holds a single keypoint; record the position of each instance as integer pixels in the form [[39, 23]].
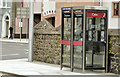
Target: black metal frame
[[73, 35], [100, 11], [61, 39], [62, 31]]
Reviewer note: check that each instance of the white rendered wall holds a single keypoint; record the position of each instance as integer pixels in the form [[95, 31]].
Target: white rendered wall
[[113, 23], [48, 7]]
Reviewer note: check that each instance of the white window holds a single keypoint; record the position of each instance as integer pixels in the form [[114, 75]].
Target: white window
[[48, 7], [0, 3], [3, 3], [116, 9]]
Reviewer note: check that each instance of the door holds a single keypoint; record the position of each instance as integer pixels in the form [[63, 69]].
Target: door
[[7, 28], [96, 39]]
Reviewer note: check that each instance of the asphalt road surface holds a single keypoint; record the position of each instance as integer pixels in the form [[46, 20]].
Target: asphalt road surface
[[10, 50]]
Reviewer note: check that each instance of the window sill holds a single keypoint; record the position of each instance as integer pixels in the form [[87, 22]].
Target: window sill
[[5, 7], [115, 16]]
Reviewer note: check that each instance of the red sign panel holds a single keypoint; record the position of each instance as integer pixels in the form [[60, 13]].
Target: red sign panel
[[77, 43], [65, 42], [96, 14], [68, 42]]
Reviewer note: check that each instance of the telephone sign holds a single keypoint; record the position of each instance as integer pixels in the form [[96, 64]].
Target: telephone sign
[[96, 14], [67, 8]]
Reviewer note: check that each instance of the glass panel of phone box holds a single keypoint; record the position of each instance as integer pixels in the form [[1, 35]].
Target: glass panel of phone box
[[66, 37], [95, 42], [78, 36]]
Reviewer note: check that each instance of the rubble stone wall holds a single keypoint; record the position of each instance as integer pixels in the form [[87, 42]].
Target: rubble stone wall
[[46, 43], [114, 53]]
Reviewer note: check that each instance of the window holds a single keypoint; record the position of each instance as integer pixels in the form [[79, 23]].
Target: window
[[116, 9], [4, 3], [0, 3]]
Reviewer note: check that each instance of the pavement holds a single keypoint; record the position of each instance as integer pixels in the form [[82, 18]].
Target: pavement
[[23, 67], [14, 40]]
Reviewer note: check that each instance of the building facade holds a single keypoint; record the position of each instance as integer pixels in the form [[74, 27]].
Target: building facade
[[51, 9], [114, 16], [25, 21], [5, 18]]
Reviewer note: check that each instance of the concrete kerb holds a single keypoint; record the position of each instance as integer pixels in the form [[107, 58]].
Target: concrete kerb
[[78, 71], [6, 74], [0, 50], [14, 40]]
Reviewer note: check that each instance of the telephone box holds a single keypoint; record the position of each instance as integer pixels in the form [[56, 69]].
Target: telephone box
[[84, 38]]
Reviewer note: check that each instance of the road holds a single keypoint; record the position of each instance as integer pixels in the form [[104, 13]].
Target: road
[[10, 50]]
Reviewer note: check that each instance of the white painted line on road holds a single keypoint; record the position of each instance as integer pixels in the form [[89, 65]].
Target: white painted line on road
[[26, 52], [21, 44], [16, 41], [10, 55]]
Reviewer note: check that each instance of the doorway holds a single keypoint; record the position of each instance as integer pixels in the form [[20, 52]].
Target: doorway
[[5, 26], [51, 20]]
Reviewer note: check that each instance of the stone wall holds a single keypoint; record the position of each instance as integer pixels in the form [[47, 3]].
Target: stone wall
[[114, 54], [46, 43]]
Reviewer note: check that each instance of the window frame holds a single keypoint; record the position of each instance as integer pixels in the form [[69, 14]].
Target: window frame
[[113, 9], [2, 3], [116, 9]]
